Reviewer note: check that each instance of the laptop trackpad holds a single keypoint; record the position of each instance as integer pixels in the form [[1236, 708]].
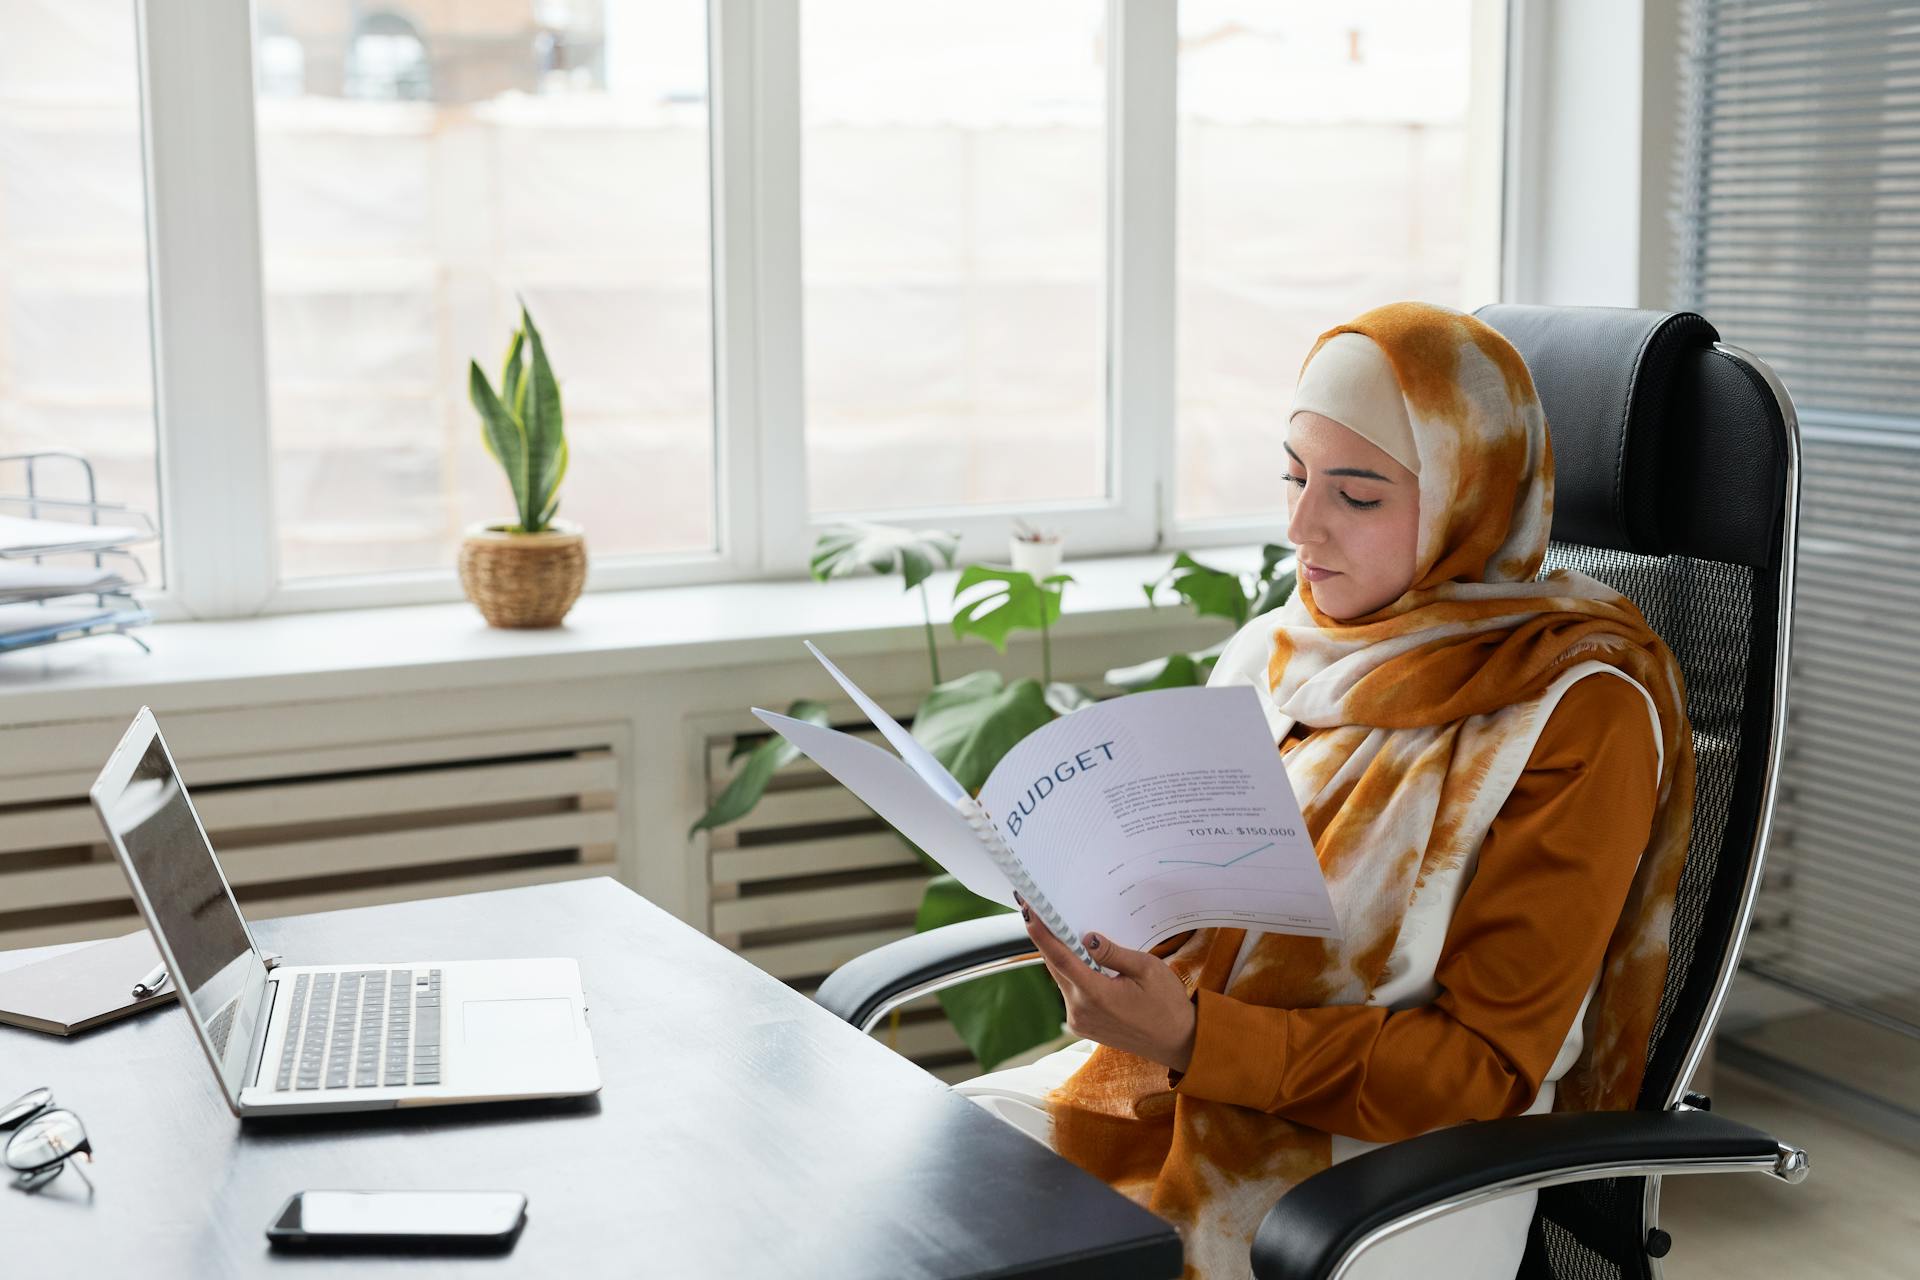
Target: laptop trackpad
[[517, 1024]]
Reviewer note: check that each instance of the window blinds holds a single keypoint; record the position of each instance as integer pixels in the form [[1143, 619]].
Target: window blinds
[[1797, 225]]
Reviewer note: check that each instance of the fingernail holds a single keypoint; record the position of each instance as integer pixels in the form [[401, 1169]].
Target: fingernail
[[1017, 898], [1025, 914], [1093, 942]]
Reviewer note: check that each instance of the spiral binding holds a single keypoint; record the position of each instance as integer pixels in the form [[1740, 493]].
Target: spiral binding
[[1009, 863]]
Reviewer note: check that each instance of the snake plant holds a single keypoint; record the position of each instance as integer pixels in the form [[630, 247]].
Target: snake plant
[[522, 427]]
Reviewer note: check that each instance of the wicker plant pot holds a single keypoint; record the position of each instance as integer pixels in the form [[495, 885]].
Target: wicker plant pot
[[524, 579]]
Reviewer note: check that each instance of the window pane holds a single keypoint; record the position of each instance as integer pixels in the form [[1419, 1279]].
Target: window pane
[[954, 206], [419, 168], [1323, 171], [76, 367]]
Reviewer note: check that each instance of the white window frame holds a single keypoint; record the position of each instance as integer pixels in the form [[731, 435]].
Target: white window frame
[[208, 323], [211, 404], [1138, 294], [1491, 85]]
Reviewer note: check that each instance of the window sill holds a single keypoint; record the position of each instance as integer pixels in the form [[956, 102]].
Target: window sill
[[419, 648]]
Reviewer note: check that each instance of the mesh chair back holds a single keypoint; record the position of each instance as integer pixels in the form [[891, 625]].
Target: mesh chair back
[[1675, 461], [1719, 621]]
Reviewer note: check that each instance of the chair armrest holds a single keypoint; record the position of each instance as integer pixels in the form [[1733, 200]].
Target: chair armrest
[[867, 987], [1319, 1226]]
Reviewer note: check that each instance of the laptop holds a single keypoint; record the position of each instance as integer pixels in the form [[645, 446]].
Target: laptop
[[308, 1038]]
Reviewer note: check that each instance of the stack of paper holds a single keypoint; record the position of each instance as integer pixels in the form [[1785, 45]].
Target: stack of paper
[[24, 624], [24, 580], [21, 536]]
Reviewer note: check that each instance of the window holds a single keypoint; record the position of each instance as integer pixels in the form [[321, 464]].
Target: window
[[1323, 170], [940, 264], [75, 368], [419, 172], [953, 161]]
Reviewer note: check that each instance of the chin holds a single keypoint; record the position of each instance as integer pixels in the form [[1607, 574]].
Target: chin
[[1338, 604]]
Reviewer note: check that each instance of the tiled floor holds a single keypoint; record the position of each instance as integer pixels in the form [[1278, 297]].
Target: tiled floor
[[1857, 1216]]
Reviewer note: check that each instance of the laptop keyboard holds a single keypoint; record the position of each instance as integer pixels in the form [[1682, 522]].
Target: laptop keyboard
[[220, 1030], [362, 1029]]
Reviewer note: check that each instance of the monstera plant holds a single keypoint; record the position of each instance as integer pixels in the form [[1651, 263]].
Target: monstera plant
[[970, 722], [1211, 593]]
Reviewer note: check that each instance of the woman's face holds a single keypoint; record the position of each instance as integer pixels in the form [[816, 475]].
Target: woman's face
[[1353, 514]]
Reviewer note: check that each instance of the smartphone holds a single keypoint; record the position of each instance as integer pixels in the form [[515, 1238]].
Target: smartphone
[[410, 1221]]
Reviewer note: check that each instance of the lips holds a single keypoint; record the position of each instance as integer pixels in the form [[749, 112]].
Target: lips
[[1315, 574]]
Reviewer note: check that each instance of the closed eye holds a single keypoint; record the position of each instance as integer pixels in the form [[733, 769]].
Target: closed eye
[[1351, 501]]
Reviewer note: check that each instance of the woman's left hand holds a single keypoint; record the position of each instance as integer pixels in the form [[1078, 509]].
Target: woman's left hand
[[1142, 1008]]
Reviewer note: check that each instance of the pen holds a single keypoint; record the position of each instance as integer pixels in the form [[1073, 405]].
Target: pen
[[151, 983]]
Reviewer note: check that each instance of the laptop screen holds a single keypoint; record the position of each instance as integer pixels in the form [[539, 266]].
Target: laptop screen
[[195, 921]]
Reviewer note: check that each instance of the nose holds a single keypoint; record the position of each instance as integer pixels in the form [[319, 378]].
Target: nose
[[1303, 515]]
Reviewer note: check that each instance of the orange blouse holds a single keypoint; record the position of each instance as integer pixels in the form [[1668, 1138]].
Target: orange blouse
[[1521, 951]]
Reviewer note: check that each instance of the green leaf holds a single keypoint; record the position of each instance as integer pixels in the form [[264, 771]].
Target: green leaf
[[970, 723], [1274, 594], [518, 404], [972, 739], [1212, 592], [1001, 1015], [951, 699], [1175, 671], [542, 418], [1275, 584], [551, 501], [511, 372], [1016, 603], [763, 761], [1066, 699], [849, 547], [504, 437]]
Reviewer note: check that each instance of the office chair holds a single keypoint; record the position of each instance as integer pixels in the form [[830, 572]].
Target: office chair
[[1677, 483]]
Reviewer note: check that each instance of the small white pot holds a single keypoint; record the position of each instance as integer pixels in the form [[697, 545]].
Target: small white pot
[[1039, 560]]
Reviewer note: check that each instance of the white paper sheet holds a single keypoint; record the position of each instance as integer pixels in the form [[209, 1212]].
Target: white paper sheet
[[898, 795], [918, 758], [24, 580], [16, 619], [1151, 814], [20, 535]]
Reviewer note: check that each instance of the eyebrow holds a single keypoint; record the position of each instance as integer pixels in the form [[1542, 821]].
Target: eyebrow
[[1362, 472]]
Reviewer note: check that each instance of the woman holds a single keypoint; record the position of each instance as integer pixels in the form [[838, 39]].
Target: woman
[[1501, 834]]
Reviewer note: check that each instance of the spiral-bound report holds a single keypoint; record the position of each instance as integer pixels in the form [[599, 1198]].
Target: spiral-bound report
[[1032, 894], [1140, 817]]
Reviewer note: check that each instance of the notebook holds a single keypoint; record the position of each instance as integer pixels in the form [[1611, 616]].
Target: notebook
[[81, 988]]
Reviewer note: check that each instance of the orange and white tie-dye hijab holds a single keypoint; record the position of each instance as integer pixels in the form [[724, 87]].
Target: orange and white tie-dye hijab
[[1422, 716]]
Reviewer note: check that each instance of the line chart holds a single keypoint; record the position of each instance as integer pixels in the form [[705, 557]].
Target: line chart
[[1203, 862]]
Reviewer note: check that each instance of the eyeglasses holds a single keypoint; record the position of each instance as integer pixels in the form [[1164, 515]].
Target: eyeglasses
[[46, 1137]]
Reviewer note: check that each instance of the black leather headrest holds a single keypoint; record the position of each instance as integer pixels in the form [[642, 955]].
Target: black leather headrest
[[1661, 443]]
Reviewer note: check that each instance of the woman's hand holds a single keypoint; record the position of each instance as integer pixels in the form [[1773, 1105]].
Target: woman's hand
[[1143, 1008]]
